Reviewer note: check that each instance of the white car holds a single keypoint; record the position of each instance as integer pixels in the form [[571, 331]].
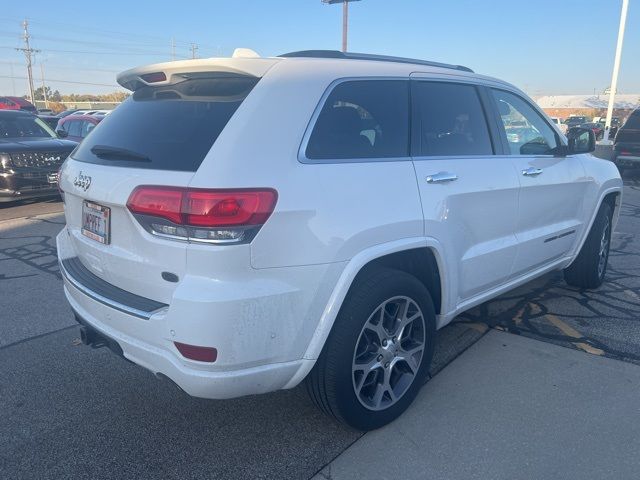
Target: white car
[[240, 225], [558, 123]]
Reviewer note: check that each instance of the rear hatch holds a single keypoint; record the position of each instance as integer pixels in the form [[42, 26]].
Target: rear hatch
[[159, 136]]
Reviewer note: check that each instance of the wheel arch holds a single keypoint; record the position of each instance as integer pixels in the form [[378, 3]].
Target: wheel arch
[[611, 195], [409, 255]]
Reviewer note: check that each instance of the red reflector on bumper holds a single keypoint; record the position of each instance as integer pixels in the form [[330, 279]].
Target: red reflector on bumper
[[193, 352]]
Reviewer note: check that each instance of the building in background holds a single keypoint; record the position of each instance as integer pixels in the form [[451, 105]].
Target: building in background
[[563, 106]]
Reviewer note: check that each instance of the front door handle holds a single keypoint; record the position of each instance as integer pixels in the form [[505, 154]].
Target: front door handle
[[532, 172], [441, 177]]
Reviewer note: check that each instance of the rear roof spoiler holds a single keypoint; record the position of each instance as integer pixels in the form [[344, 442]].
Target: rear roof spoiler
[[162, 73]]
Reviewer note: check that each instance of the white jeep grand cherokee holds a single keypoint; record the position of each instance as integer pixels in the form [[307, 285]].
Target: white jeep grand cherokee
[[240, 225]]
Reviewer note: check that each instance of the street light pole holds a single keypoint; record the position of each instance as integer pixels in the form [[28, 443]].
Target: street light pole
[[345, 24], [345, 19], [44, 88], [616, 69]]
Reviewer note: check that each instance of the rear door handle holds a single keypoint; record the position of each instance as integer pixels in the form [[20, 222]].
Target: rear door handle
[[532, 172], [441, 177]]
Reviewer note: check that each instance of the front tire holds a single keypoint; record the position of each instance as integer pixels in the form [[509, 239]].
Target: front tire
[[589, 268], [378, 353]]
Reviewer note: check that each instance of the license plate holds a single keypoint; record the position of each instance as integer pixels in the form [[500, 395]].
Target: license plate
[[96, 222], [52, 177]]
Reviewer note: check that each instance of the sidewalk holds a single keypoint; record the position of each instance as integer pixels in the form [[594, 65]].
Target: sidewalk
[[510, 408]]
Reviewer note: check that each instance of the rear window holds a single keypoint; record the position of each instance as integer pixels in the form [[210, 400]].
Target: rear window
[[169, 127], [633, 121]]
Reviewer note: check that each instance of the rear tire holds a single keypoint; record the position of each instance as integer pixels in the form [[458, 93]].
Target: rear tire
[[378, 353], [589, 268]]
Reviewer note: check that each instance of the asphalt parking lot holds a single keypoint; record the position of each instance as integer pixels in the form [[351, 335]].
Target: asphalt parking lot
[[69, 411]]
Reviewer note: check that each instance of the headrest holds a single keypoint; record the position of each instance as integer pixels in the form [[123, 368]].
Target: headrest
[[503, 107], [345, 120]]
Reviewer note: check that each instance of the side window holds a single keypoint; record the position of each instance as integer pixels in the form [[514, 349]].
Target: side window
[[449, 120], [75, 128], [363, 119], [86, 128], [526, 130]]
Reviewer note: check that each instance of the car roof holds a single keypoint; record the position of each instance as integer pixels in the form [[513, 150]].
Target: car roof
[[308, 62], [371, 57], [74, 116], [20, 101]]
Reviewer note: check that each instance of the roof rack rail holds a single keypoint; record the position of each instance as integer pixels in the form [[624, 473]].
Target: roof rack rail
[[369, 56]]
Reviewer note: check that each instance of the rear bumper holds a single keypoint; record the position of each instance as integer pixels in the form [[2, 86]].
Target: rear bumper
[[261, 327], [194, 380], [627, 160]]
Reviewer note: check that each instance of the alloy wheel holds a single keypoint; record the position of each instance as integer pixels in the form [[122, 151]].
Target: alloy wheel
[[388, 353]]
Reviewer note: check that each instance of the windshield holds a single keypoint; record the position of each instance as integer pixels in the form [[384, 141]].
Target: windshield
[[24, 126], [172, 126]]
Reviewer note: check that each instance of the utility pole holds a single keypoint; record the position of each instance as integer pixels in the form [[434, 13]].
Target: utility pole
[[13, 81], [173, 48], [194, 50], [345, 19], [44, 89], [616, 70], [28, 51]]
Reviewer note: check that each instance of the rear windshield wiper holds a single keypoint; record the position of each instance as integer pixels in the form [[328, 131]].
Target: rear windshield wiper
[[116, 153]]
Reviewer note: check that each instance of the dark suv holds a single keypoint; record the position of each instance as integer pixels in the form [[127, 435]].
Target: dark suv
[[626, 146], [30, 156]]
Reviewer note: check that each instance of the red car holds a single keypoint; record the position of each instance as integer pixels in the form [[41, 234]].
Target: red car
[[8, 104], [598, 129], [16, 103], [76, 127]]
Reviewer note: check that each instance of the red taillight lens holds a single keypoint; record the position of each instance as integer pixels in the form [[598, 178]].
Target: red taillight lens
[[193, 352], [163, 202], [228, 208], [217, 216]]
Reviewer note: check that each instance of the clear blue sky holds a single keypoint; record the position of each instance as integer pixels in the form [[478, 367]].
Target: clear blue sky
[[543, 46]]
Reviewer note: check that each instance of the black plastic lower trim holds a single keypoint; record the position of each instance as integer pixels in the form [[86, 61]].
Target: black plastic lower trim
[[104, 292]]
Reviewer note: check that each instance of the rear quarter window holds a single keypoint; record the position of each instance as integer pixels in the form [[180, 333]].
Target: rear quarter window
[[172, 127], [366, 119]]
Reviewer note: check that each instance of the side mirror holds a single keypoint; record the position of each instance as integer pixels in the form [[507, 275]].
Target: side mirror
[[581, 140], [62, 133]]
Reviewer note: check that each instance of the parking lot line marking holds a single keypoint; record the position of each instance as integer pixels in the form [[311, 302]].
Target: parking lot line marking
[[569, 331]]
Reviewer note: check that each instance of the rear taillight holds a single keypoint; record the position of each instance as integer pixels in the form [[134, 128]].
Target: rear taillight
[[208, 216]]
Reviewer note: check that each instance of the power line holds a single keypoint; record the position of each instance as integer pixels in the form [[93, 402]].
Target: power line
[[106, 32], [70, 67], [97, 52], [68, 81]]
